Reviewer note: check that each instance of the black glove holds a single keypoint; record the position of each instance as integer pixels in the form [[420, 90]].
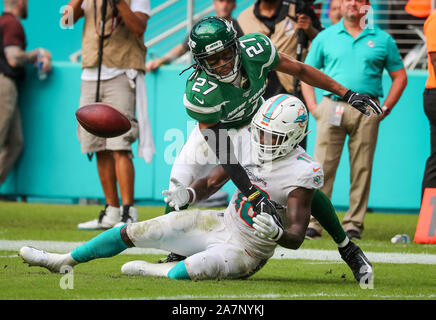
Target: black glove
[[361, 102], [262, 204]]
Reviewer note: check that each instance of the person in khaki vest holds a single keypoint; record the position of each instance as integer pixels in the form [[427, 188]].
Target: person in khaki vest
[[123, 63]]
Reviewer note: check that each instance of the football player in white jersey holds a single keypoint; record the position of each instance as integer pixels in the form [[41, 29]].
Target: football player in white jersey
[[232, 243], [224, 93]]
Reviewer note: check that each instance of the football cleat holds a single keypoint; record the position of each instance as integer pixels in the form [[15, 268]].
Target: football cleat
[[51, 261], [353, 234], [312, 234], [143, 268], [129, 214], [108, 218], [357, 261], [172, 257]]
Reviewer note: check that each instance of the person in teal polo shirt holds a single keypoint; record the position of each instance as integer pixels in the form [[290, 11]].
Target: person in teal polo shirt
[[355, 53]]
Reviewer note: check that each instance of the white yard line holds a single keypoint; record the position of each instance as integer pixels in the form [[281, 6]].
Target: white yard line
[[280, 253], [333, 255], [280, 296]]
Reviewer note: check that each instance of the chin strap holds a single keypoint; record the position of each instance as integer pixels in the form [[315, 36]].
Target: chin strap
[[231, 79], [238, 81]]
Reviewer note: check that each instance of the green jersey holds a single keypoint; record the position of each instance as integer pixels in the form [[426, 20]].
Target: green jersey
[[209, 100]]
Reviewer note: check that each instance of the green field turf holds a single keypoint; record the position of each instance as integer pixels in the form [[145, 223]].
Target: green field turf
[[279, 279]]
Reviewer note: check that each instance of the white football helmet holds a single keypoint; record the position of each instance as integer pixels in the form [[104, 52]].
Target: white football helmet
[[278, 126]]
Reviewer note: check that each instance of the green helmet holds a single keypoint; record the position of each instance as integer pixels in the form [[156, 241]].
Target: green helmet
[[210, 36]]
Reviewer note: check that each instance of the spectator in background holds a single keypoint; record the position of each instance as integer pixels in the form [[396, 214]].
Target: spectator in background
[[356, 55], [279, 20], [122, 86], [223, 9], [335, 14], [13, 60], [429, 180]]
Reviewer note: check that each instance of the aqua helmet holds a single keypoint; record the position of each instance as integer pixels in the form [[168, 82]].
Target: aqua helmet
[[210, 36]]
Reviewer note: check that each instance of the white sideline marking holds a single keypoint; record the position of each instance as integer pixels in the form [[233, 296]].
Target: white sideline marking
[[63, 246], [280, 253], [280, 296], [379, 257]]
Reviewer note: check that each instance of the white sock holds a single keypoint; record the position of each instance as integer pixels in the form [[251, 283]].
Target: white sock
[[148, 269], [63, 259], [343, 243], [161, 269], [69, 260]]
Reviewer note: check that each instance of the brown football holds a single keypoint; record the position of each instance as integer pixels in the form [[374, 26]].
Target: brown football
[[103, 120]]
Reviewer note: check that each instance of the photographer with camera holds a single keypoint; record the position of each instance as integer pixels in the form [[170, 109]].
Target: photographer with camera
[[290, 25], [113, 68]]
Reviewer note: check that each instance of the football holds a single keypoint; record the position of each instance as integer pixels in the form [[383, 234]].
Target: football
[[103, 120]]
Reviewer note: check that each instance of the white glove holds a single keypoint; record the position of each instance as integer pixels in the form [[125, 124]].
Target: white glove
[[177, 197], [265, 227]]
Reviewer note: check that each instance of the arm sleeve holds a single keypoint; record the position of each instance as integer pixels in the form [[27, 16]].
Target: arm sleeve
[[205, 114], [223, 148], [305, 175], [271, 52], [393, 58], [140, 6], [13, 35], [260, 50]]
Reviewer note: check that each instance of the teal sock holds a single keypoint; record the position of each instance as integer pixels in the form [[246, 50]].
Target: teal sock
[[106, 244], [179, 272], [324, 212], [169, 209]]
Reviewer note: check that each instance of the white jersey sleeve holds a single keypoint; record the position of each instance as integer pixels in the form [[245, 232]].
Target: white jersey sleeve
[[141, 6], [306, 173]]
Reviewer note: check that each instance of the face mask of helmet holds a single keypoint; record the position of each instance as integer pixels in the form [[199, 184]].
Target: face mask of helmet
[[273, 145], [216, 62]]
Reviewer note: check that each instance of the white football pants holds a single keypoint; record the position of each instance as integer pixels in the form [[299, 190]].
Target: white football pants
[[201, 235], [196, 159]]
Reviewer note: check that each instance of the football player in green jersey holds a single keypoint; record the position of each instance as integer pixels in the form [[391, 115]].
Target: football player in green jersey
[[223, 94]]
